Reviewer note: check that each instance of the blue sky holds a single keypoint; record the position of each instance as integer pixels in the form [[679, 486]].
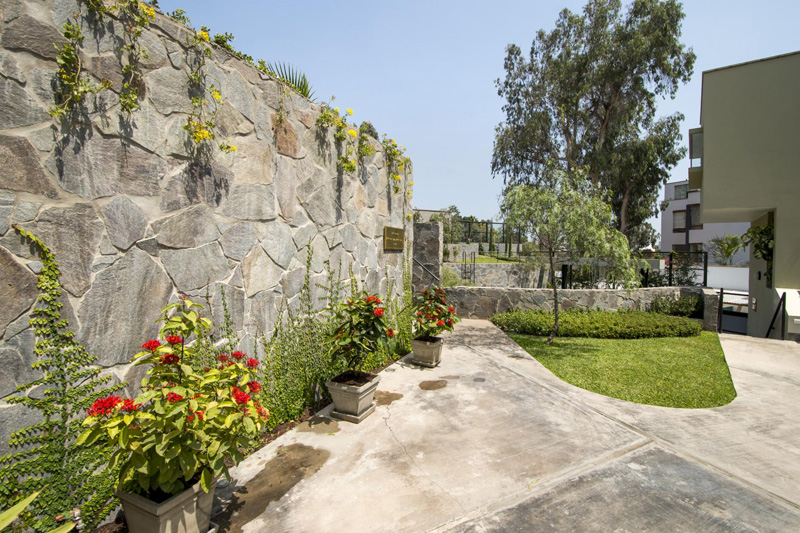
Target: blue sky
[[423, 71]]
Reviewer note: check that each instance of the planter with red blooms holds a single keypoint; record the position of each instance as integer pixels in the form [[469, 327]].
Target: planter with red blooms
[[172, 442], [432, 315], [362, 329]]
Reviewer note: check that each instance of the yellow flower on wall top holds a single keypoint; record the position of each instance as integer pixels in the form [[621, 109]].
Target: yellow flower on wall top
[[352, 133]]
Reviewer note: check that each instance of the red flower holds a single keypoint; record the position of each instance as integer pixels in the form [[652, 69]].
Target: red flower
[[174, 339], [440, 323], [451, 309], [129, 406], [263, 413], [201, 415], [254, 386], [104, 406], [449, 321], [373, 299], [151, 345], [223, 358], [169, 359], [251, 363], [206, 369], [240, 396], [390, 332], [378, 311], [173, 397], [190, 417], [238, 355], [349, 302]]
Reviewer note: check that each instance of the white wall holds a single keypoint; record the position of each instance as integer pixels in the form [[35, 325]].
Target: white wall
[[704, 235]]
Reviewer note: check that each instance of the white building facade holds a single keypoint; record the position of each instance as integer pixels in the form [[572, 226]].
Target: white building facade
[[684, 208]]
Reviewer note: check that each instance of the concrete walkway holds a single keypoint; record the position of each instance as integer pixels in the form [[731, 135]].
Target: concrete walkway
[[492, 441]]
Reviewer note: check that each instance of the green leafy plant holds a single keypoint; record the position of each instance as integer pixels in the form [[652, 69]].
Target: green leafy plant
[[762, 241], [135, 16], [201, 123], [362, 328], [597, 324], [45, 456], [433, 314], [73, 86], [185, 425], [289, 75], [180, 16], [688, 306], [396, 162], [8, 516], [724, 248]]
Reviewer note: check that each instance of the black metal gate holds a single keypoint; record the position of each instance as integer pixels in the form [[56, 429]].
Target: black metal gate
[[732, 312]]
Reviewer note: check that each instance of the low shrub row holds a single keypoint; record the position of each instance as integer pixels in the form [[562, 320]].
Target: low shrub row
[[689, 306], [597, 324]]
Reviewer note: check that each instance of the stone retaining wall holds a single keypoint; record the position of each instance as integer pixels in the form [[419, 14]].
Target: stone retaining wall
[[485, 302], [511, 275], [134, 218], [427, 268]]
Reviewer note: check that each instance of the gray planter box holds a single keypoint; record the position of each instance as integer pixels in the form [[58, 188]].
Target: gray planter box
[[351, 403], [426, 353], [186, 512]]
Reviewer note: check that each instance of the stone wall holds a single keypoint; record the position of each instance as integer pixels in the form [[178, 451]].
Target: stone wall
[[427, 268], [485, 302], [513, 275], [135, 218]]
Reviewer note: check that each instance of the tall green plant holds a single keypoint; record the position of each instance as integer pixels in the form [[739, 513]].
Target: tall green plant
[[295, 365], [288, 75], [46, 457]]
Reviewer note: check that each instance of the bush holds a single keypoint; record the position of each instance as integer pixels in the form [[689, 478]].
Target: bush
[[597, 324], [451, 279], [688, 306]]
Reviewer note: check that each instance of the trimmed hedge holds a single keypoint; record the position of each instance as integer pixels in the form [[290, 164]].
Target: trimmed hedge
[[598, 324], [689, 306]]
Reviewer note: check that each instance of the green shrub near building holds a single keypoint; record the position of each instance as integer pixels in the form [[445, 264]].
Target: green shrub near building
[[599, 324]]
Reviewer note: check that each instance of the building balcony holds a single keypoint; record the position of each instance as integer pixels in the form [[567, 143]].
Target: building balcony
[[696, 178]]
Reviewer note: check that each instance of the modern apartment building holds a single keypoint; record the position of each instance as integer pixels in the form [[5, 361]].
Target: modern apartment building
[[746, 161], [683, 206]]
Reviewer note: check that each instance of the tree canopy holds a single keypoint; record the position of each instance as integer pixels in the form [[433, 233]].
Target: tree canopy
[[586, 97], [568, 221]]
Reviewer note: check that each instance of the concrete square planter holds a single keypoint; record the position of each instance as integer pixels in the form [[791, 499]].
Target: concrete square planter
[[353, 403], [427, 352], [186, 512]]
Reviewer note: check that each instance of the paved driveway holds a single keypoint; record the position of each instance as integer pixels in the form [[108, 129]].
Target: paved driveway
[[492, 441]]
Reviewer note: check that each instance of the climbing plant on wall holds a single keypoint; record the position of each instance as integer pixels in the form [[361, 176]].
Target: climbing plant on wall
[[44, 457]]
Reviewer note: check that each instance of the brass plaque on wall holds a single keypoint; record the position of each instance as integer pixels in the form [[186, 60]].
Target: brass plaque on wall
[[394, 239]]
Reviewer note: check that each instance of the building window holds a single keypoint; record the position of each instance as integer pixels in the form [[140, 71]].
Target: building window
[[678, 221], [694, 247], [695, 213], [682, 191]]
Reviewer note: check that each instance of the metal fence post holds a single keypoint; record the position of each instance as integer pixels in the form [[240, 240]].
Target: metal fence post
[[564, 270], [719, 309], [705, 269]]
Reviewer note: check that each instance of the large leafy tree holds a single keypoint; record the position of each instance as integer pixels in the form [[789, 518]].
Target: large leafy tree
[[568, 220], [586, 97]]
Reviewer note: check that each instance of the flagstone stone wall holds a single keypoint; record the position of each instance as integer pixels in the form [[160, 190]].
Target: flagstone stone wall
[[485, 302], [134, 218]]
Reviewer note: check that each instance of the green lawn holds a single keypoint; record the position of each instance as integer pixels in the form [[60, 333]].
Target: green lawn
[[672, 372]]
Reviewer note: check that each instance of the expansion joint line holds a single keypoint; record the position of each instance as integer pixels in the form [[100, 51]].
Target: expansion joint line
[[413, 462]]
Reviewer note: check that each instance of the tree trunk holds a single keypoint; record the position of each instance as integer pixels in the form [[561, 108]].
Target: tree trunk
[[555, 298], [623, 211]]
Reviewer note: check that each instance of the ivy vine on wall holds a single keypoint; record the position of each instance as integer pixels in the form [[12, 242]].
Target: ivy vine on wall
[[44, 456]]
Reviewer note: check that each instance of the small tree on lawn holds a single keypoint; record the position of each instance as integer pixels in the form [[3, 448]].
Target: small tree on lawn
[[724, 248], [568, 220]]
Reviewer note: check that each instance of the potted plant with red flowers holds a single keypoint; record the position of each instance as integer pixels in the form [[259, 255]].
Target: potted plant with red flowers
[[180, 434], [362, 328], [432, 315]]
